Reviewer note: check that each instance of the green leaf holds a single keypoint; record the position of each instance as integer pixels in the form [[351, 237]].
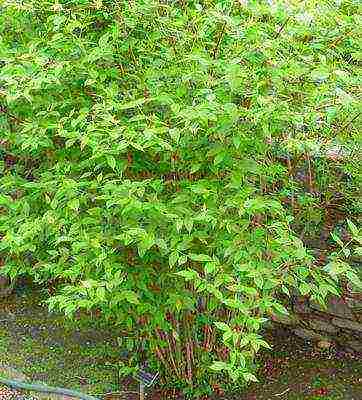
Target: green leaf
[[248, 290], [74, 204], [218, 366], [280, 309], [337, 239], [130, 296], [200, 257], [352, 227], [219, 158], [234, 374], [5, 200], [222, 326], [259, 281], [189, 275], [265, 344], [248, 377], [304, 288], [330, 289], [182, 260], [227, 336], [101, 293], [132, 104], [179, 225], [237, 141], [189, 223], [353, 277], [211, 268], [146, 242], [173, 258], [111, 161], [285, 290]]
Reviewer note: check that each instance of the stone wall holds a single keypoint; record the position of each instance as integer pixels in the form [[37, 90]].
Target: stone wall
[[339, 324]]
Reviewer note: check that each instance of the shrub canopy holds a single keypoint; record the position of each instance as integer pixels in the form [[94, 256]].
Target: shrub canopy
[[161, 158]]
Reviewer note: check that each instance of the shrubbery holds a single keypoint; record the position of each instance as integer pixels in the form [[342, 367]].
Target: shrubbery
[[161, 158]]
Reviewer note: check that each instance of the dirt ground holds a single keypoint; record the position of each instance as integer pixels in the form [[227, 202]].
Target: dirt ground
[[297, 370]]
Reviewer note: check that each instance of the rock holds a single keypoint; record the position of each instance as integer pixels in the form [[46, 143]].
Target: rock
[[286, 319], [355, 345], [11, 373], [324, 344], [336, 307], [320, 325], [307, 334], [5, 286], [355, 304], [301, 307], [347, 324]]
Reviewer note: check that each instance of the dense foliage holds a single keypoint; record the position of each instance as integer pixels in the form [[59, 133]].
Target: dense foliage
[[166, 162]]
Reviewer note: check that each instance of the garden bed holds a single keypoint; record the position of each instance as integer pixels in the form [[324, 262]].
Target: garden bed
[[76, 354]]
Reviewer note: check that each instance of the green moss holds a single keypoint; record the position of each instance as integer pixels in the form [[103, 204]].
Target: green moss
[[55, 351]]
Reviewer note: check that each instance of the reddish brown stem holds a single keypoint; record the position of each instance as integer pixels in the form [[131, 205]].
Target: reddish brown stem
[[189, 362], [220, 36], [289, 165], [310, 175]]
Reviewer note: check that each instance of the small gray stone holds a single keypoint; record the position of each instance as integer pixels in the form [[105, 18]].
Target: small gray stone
[[347, 324], [321, 325], [307, 334], [324, 344]]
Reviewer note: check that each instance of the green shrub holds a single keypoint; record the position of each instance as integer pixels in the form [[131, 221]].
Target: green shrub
[[160, 159]]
